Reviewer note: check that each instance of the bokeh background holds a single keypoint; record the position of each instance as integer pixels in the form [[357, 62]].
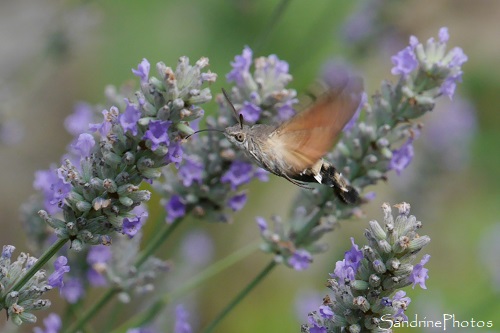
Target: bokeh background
[[56, 53]]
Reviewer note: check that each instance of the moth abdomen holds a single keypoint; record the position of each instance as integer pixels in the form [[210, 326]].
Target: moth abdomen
[[331, 177]]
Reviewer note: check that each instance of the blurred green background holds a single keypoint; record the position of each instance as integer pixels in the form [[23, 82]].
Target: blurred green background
[[55, 53]]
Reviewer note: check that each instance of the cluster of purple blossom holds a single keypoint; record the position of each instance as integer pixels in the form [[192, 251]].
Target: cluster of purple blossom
[[212, 169], [367, 283], [369, 147], [95, 194]]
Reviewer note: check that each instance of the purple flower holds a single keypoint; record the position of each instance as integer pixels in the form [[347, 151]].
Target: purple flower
[[84, 144], [60, 268], [99, 254], [261, 222], [98, 257], [400, 302], [361, 24], [458, 58], [141, 330], [131, 225], [181, 320], [343, 271], [190, 172], [198, 248], [300, 260], [54, 189], [72, 290], [404, 62], [241, 66], [53, 324], [261, 174], [142, 70], [7, 251], [370, 196], [237, 202], [110, 118], [307, 301], [96, 277], [419, 273], [443, 35], [251, 112], [354, 256], [326, 312], [316, 327], [174, 154], [175, 208], [450, 132], [239, 173], [157, 133], [129, 118], [402, 157], [78, 122], [286, 111]]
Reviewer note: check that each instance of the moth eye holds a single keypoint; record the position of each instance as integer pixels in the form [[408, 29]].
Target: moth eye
[[239, 137]]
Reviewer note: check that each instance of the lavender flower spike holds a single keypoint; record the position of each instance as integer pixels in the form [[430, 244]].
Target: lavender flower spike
[[135, 139], [372, 289]]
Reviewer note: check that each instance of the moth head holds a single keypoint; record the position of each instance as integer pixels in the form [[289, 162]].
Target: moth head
[[237, 134]]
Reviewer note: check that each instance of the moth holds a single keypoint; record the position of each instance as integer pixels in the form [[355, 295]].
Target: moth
[[294, 149]]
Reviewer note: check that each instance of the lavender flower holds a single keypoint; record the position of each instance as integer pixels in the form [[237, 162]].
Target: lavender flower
[[402, 157], [130, 146], [404, 62], [60, 268], [157, 133], [19, 304], [130, 117], [191, 172], [261, 96], [52, 322], [73, 290], [419, 273], [84, 144], [238, 174], [300, 260], [142, 70], [78, 122], [241, 66], [181, 320], [175, 209], [238, 201], [450, 132], [380, 141], [363, 296], [197, 248], [98, 258]]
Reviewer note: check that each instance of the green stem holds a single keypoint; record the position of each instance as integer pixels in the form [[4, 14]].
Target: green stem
[[273, 21], [108, 295], [240, 297], [51, 251], [151, 247], [304, 232], [155, 243], [214, 269]]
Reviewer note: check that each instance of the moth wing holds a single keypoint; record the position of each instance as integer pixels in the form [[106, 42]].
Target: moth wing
[[305, 138]]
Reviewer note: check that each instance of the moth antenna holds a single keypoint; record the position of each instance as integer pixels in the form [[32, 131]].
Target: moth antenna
[[203, 130], [240, 117]]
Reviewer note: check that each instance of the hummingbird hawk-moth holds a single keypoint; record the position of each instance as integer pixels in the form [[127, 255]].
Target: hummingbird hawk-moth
[[294, 150]]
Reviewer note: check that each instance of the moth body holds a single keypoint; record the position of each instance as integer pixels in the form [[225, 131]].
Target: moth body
[[294, 149]]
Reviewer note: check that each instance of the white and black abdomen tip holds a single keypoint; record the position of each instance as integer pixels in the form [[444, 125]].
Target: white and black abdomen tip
[[332, 178]]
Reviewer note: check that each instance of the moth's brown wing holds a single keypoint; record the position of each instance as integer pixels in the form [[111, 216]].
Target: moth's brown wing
[[305, 138]]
